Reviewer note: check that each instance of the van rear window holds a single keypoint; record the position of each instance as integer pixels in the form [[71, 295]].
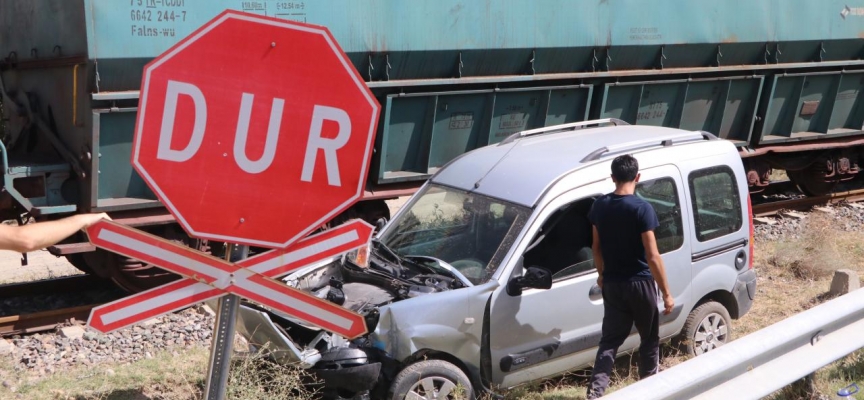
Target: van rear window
[[716, 203]]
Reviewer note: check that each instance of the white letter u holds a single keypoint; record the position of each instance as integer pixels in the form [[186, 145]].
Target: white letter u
[[254, 167]]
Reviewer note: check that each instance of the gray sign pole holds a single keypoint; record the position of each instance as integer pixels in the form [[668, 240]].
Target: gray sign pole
[[223, 335]]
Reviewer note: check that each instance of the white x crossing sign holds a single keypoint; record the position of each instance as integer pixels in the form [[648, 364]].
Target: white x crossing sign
[[208, 277]]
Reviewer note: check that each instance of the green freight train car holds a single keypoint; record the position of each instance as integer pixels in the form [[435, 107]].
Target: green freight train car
[[783, 80]]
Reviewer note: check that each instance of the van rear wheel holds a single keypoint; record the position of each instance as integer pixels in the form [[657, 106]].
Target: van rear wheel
[[707, 328], [431, 379]]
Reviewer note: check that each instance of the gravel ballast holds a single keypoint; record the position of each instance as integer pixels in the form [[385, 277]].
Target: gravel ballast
[[45, 353]]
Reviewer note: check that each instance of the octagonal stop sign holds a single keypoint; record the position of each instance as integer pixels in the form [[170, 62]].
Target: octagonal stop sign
[[254, 130]]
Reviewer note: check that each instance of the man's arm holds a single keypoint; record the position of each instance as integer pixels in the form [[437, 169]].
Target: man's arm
[[39, 235], [598, 256], [658, 271]]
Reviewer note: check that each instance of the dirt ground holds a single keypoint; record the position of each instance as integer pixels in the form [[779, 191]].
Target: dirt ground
[[41, 265]]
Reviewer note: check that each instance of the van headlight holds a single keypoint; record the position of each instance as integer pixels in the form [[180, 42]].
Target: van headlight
[[359, 256]]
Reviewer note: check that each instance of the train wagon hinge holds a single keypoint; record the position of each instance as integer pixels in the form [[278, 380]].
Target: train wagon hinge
[[661, 57], [608, 59], [387, 67]]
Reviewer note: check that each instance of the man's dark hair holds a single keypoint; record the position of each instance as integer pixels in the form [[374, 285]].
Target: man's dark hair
[[625, 168]]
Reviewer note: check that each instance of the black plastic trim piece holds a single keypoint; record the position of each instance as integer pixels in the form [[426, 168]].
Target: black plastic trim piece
[[517, 361], [705, 254]]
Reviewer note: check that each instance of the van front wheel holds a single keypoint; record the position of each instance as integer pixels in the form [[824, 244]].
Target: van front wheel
[[431, 379], [707, 328]]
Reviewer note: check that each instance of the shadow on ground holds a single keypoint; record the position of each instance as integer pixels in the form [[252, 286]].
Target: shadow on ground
[[121, 394]]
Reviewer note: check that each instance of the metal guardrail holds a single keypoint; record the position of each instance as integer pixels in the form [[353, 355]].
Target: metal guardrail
[[764, 361]]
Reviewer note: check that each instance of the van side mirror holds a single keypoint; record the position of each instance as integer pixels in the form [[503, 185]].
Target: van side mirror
[[534, 278]]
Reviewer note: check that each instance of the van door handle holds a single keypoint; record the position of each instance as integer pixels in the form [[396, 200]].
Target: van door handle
[[595, 293]]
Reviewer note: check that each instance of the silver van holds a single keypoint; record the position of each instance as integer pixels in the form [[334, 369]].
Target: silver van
[[485, 279]]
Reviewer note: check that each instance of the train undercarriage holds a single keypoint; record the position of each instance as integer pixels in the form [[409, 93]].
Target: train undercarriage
[[816, 169]]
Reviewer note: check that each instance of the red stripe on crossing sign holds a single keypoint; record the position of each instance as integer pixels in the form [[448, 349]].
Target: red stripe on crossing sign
[[150, 304], [251, 278]]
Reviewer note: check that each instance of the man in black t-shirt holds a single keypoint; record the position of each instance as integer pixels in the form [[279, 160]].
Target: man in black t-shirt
[[627, 259]]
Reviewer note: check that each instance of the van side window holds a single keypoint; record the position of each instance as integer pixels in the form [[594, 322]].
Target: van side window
[[716, 205], [563, 244], [663, 196]]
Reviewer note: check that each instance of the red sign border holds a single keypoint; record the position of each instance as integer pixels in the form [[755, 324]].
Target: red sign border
[[198, 33]]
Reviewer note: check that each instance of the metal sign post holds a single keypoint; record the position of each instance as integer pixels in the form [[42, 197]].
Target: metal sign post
[[222, 347], [223, 335]]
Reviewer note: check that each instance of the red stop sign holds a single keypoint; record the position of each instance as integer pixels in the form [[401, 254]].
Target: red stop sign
[[254, 130]]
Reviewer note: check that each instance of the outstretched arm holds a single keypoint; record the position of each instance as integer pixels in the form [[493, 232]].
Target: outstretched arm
[[39, 235], [658, 271], [598, 256]]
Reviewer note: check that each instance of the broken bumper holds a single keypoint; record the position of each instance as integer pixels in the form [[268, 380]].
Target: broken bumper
[[745, 291], [340, 368]]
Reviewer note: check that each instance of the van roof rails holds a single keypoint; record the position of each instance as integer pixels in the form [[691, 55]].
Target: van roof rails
[[665, 141], [564, 127]]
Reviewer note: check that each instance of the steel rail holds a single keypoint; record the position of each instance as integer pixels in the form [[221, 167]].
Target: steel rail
[[805, 203], [65, 284], [42, 320]]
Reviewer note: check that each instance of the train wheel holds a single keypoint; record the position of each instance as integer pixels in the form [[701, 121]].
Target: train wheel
[[137, 276], [130, 274], [814, 180], [77, 261]]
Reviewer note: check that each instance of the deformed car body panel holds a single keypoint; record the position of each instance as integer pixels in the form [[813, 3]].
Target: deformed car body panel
[[258, 328], [447, 322]]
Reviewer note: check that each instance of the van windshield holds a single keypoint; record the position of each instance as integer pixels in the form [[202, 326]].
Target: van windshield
[[467, 231]]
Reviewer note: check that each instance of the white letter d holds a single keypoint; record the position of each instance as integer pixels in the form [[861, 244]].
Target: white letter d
[[175, 89]]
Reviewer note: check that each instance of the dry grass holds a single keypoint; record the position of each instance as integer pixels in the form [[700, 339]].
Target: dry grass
[[165, 376], [778, 175], [818, 252], [254, 377], [168, 375]]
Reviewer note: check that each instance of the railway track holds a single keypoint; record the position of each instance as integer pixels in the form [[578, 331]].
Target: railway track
[[17, 323], [805, 203]]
